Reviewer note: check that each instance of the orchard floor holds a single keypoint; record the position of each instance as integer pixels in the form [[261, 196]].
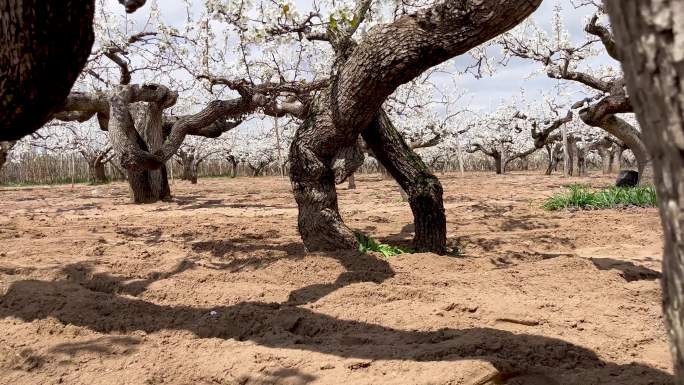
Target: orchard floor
[[215, 287]]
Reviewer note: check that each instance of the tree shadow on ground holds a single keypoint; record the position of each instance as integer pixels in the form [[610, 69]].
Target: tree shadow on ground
[[81, 273], [278, 376], [149, 235], [628, 270], [222, 248], [526, 223], [285, 326], [359, 267], [102, 345]]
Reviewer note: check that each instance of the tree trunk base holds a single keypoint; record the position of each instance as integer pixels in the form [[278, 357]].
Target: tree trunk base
[[144, 189]]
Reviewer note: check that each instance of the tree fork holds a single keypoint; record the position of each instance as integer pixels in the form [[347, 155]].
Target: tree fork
[[423, 188]]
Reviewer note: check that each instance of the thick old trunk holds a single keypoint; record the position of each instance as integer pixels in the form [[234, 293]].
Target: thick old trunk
[[45, 45], [649, 36], [387, 57], [145, 188], [422, 187], [313, 183]]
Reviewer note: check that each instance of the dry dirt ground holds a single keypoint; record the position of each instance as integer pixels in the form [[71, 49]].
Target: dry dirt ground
[[215, 287]]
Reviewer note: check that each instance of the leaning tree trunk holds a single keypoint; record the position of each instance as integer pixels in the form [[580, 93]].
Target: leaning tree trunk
[[44, 46], [423, 188], [649, 34]]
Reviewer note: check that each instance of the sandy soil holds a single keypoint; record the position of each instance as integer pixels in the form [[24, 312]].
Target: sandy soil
[[216, 288]]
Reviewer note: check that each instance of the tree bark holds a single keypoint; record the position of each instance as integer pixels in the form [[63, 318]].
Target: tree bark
[[414, 177], [45, 45], [387, 57], [649, 34]]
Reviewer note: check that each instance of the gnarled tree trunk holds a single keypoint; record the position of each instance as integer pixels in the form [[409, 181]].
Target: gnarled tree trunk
[[363, 78], [649, 34]]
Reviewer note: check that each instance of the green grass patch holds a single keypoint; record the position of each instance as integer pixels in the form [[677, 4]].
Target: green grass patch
[[582, 197], [367, 244]]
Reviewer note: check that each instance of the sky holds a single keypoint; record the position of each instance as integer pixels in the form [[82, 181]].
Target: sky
[[482, 94]]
